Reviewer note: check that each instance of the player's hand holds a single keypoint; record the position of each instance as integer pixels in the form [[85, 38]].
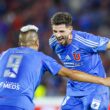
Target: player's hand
[[106, 81]]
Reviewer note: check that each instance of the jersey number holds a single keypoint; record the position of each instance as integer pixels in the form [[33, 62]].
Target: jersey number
[[12, 66]]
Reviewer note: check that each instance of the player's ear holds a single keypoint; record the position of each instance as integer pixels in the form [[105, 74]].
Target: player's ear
[[70, 28], [37, 43]]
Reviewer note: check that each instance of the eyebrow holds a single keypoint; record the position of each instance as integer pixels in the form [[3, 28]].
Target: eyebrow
[[57, 31]]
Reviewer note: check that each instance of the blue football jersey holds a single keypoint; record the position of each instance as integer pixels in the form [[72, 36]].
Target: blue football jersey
[[21, 70], [82, 54]]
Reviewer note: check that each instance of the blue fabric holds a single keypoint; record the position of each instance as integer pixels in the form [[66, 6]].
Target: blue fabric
[[10, 108], [82, 54], [94, 101], [21, 70]]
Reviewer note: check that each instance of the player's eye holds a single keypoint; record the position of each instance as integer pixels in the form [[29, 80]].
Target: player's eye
[[54, 31], [62, 31]]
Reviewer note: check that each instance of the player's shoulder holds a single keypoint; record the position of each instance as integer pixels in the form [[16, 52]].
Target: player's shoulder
[[4, 52], [80, 34], [52, 40], [84, 39], [22, 50], [7, 51], [44, 56], [41, 54]]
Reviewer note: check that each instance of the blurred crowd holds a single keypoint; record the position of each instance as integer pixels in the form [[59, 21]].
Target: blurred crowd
[[88, 15]]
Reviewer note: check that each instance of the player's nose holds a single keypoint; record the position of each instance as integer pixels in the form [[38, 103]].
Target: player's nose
[[58, 35]]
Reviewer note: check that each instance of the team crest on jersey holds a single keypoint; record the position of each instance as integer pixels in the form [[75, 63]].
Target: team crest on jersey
[[95, 104], [77, 56]]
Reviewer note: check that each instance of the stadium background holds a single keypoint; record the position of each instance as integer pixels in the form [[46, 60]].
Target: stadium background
[[88, 15]]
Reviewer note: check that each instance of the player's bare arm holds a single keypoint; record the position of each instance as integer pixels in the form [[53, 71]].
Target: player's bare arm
[[83, 77]]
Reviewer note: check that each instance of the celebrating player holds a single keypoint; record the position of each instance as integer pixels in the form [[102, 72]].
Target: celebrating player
[[21, 70], [80, 51]]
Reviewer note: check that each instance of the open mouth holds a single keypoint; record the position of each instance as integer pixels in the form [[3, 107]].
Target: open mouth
[[60, 39]]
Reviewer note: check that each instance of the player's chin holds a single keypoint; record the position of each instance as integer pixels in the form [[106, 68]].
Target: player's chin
[[61, 42]]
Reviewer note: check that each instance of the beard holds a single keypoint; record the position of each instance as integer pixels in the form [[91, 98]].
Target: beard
[[63, 40]]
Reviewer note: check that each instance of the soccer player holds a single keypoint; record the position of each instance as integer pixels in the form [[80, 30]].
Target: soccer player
[[80, 51], [21, 70]]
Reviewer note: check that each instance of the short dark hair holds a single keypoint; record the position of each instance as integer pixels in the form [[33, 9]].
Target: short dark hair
[[61, 18]]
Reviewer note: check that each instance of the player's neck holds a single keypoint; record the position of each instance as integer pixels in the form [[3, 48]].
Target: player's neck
[[34, 47]]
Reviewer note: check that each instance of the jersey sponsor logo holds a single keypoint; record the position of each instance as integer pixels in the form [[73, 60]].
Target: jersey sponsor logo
[[77, 56], [10, 85], [71, 65]]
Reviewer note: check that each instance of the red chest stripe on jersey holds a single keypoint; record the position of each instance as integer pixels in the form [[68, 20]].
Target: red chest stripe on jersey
[[77, 56]]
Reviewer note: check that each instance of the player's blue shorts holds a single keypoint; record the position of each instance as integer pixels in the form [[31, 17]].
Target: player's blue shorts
[[91, 102], [4, 107]]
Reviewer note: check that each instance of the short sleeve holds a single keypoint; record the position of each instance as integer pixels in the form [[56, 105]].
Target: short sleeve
[[92, 42], [52, 42], [51, 65]]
